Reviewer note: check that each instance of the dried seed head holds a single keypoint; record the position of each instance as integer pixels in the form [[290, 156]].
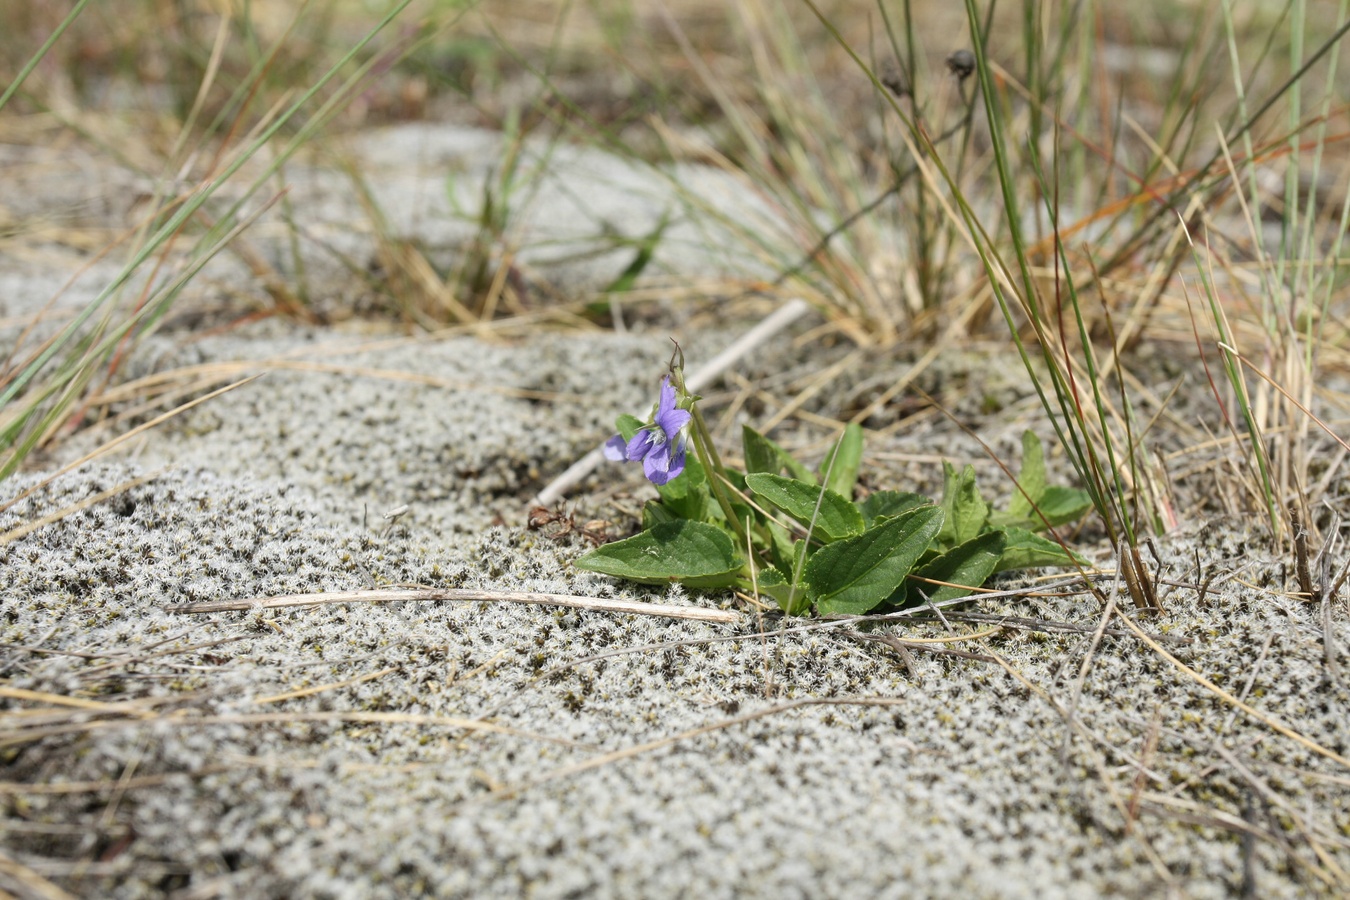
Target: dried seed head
[[961, 63], [893, 81]]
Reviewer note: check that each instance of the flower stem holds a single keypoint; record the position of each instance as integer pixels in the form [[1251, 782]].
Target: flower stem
[[717, 478], [703, 447]]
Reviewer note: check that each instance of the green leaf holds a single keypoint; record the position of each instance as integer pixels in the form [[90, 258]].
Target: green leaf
[[1063, 504], [654, 513], [1057, 504], [695, 554], [764, 455], [773, 583], [1026, 550], [969, 564], [1038, 503], [799, 550], [888, 504], [839, 469], [781, 545], [1030, 487], [687, 495], [966, 511], [834, 519], [855, 575], [628, 426]]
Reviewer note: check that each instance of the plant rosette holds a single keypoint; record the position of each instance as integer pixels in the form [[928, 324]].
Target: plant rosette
[[779, 530]]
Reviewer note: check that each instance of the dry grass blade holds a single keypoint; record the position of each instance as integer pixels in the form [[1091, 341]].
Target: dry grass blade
[[131, 708], [138, 782], [234, 367], [1076, 694], [1313, 833], [459, 595], [1287, 396], [27, 882], [958, 330], [1098, 762], [902, 646], [140, 658], [320, 688], [1267, 720], [29, 527], [1053, 627], [605, 759], [118, 441], [31, 735], [219, 370], [826, 625], [1329, 648]]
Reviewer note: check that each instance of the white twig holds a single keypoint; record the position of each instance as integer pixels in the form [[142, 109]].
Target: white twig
[[424, 595], [785, 315]]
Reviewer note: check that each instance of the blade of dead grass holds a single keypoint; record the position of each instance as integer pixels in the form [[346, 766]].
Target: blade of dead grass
[[437, 595], [126, 660], [615, 756], [829, 625], [108, 447], [139, 782], [128, 708], [507, 791], [958, 328], [217, 370], [1265, 719], [78, 371], [1156, 647], [1287, 396], [321, 688], [19, 738], [1300, 820], [27, 528], [1091, 740], [31, 882]]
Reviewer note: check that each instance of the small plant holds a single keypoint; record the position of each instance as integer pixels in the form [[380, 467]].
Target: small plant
[[778, 530]]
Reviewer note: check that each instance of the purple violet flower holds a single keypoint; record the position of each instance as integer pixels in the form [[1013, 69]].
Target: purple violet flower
[[661, 445]]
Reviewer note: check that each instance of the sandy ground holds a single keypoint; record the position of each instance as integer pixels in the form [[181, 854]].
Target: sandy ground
[[491, 748]]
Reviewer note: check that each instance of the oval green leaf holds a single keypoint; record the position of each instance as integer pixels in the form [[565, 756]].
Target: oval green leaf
[[970, 565], [1026, 550], [856, 575], [765, 455], [1063, 504], [837, 518], [695, 554], [889, 504], [1031, 483], [839, 469], [965, 508]]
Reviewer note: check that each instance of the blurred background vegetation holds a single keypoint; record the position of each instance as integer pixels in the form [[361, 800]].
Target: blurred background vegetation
[[1069, 179]]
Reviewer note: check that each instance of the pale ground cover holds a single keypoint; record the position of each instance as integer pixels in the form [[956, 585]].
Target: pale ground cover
[[324, 751], [1020, 746]]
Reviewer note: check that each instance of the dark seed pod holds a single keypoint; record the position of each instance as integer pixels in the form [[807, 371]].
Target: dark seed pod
[[893, 81], [961, 63]]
